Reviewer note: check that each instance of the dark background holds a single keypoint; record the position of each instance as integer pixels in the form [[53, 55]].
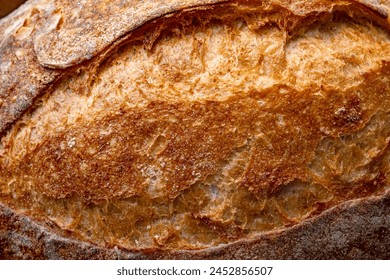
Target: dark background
[[7, 6]]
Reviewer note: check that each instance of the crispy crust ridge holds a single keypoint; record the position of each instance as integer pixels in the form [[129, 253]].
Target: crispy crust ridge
[[41, 38]]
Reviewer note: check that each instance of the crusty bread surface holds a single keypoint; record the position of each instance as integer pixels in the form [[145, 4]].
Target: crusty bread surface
[[195, 129]]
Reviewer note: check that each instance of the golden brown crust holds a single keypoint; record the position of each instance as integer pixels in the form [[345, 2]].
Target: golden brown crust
[[47, 33], [75, 40], [268, 113], [328, 236]]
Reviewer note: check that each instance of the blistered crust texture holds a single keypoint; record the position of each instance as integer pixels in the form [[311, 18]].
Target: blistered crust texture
[[206, 127], [365, 236]]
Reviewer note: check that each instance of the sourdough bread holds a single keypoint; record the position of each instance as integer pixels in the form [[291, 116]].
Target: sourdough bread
[[195, 129]]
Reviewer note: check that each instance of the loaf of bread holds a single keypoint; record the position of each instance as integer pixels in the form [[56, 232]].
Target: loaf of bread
[[195, 129]]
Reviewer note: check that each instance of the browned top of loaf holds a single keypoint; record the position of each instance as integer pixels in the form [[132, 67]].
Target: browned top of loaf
[[188, 125]]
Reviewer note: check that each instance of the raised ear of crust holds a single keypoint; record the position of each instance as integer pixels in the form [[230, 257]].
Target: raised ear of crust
[[75, 39], [44, 35]]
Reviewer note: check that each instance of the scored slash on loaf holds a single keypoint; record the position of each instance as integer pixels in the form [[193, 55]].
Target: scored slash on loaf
[[194, 129]]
